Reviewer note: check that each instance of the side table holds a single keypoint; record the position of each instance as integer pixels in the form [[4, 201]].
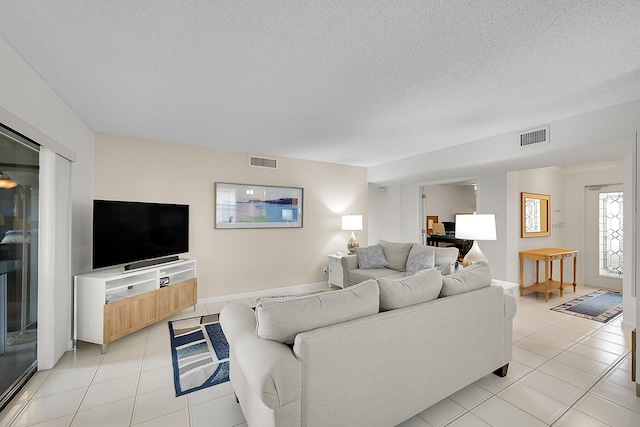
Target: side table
[[336, 273]]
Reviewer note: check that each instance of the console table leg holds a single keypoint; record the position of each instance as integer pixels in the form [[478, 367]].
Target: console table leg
[[521, 277], [575, 263], [561, 277], [546, 283]]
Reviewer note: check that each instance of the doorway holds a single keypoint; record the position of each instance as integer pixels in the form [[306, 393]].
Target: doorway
[[19, 191], [441, 203], [604, 234]]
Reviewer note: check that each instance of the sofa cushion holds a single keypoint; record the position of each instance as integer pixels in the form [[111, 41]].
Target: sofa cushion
[[371, 257], [418, 249], [470, 278], [396, 254], [282, 319], [422, 287], [421, 262], [360, 275]]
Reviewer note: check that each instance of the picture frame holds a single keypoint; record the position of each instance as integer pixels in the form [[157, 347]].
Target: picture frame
[[257, 206], [535, 210]]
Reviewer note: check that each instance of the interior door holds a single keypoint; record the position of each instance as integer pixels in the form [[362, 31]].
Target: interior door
[[604, 236]]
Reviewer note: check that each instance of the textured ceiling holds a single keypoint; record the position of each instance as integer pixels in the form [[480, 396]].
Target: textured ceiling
[[360, 82]]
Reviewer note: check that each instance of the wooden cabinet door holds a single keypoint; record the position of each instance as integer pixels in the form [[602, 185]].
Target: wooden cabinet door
[[175, 298], [129, 315]]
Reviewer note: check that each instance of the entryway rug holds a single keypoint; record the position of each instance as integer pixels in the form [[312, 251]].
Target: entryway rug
[[200, 353], [602, 306]]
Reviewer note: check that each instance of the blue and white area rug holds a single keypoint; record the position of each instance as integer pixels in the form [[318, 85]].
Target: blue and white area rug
[[602, 306], [200, 353]]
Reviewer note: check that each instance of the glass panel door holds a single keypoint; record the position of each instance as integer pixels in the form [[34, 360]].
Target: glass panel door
[[604, 236], [19, 189]]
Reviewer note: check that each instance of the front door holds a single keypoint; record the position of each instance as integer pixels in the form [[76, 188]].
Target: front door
[[604, 236]]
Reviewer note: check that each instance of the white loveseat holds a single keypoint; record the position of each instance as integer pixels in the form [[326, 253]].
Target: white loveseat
[[395, 260], [336, 359]]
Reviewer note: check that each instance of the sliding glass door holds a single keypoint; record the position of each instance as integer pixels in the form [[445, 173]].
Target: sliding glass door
[[19, 193]]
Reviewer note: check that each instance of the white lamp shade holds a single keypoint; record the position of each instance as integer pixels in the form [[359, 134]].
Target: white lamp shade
[[352, 222], [476, 227]]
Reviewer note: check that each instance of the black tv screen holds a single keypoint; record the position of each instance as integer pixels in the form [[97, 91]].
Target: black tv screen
[[125, 232]]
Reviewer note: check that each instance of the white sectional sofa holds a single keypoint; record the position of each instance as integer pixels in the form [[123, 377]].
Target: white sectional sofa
[[373, 354], [395, 260]]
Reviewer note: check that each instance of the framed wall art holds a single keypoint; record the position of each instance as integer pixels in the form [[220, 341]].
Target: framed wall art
[[257, 206]]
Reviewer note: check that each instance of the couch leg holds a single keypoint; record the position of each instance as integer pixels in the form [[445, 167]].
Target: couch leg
[[502, 372]]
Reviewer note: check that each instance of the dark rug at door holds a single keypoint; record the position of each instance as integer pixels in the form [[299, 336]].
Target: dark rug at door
[[602, 306]]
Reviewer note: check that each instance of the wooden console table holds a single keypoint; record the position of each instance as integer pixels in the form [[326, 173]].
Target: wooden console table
[[547, 255]]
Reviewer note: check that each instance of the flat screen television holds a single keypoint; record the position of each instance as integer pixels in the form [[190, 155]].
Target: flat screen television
[[127, 232]]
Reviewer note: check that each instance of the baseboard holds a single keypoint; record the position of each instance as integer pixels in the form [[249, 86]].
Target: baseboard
[[626, 325], [287, 289]]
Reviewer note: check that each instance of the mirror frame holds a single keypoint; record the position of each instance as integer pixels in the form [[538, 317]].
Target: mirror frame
[[545, 215]]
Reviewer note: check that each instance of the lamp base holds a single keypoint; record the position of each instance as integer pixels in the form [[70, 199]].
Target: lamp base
[[352, 244], [474, 255]]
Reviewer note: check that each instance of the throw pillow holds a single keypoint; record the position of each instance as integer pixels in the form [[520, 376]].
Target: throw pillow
[[474, 277], [421, 262], [422, 287], [418, 249], [371, 257], [396, 254], [282, 319]]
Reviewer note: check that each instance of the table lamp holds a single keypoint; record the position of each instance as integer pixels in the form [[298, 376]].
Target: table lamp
[[352, 223], [475, 227], [6, 181]]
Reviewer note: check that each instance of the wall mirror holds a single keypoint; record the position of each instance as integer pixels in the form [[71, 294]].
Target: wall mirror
[[535, 209]]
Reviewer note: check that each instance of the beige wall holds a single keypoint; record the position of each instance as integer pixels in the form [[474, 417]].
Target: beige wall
[[236, 261]]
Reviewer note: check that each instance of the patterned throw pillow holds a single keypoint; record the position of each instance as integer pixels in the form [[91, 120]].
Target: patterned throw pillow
[[371, 257], [422, 262]]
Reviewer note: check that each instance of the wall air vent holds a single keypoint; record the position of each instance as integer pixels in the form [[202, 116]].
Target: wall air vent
[[534, 136], [261, 162]]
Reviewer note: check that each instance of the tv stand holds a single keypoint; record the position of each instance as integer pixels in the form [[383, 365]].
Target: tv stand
[[110, 304], [150, 263]]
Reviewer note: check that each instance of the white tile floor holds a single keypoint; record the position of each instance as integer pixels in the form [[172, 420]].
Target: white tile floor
[[566, 371]]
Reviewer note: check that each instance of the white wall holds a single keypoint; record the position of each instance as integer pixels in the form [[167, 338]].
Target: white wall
[[445, 200], [381, 208], [29, 106], [541, 181], [232, 262]]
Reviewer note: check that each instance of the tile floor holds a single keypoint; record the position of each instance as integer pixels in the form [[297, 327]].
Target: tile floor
[[566, 371]]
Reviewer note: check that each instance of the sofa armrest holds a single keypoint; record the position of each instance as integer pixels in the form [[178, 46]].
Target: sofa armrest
[[270, 367], [349, 262], [445, 255], [510, 306]]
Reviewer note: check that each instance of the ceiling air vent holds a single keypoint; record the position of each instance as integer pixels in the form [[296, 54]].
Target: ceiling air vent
[[261, 162], [534, 136]]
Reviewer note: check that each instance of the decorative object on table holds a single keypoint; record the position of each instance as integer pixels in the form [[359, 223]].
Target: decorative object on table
[[352, 223], [475, 227], [200, 353], [536, 214], [437, 228], [601, 306], [257, 206], [431, 219]]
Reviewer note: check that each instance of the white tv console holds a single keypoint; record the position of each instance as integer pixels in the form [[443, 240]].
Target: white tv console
[[110, 304]]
